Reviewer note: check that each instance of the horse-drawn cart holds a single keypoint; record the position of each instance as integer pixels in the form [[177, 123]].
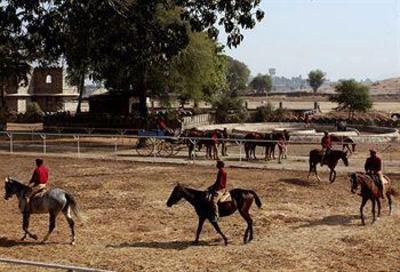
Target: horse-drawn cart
[[156, 143]]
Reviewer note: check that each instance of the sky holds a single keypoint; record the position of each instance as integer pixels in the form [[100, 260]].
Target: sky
[[345, 38]]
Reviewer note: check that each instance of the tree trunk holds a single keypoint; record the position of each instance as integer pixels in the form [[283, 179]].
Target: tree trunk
[[81, 89], [2, 99]]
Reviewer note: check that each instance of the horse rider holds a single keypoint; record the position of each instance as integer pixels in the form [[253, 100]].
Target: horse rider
[[37, 183], [326, 143], [218, 189], [374, 168], [164, 128]]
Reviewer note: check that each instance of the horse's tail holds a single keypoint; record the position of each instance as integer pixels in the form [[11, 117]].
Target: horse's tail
[[75, 207], [256, 198], [353, 147]]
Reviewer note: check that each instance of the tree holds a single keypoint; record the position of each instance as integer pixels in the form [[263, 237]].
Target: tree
[[14, 56], [237, 76], [198, 72], [229, 109], [352, 96], [316, 78], [262, 83]]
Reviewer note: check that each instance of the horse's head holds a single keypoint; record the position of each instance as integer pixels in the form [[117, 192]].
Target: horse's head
[[9, 188], [353, 182], [345, 158], [175, 196]]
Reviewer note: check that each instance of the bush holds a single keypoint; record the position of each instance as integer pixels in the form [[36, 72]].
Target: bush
[[263, 113], [229, 110]]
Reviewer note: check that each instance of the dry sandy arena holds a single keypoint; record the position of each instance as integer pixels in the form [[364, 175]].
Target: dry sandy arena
[[302, 226]]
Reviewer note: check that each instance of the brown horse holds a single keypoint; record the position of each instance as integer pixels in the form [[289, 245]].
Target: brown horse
[[241, 201], [370, 191], [332, 161], [206, 140], [346, 141], [268, 140]]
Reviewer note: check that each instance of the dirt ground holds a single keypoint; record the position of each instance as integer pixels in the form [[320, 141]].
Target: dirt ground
[[302, 226]]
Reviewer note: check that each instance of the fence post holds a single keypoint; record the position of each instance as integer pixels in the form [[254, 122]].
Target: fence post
[[116, 145], [43, 136], [76, 137], [10, 136]]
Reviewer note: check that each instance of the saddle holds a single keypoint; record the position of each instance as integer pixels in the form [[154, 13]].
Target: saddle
[[226, 197]]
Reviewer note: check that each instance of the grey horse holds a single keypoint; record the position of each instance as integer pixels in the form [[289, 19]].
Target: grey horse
[[53, 202]]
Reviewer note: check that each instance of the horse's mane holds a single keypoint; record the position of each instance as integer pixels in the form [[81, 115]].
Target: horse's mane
[[18, 183], [191, 190], [365, 180]]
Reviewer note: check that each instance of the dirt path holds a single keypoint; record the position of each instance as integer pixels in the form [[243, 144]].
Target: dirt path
[[303, 226]]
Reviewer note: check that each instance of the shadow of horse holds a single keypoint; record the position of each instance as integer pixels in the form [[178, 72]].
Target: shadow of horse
[[297, 182], [5, 242], [177, 245], [332, 220]]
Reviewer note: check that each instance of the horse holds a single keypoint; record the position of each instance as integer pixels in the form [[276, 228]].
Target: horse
[[207, 140], [370, 191], [315, 157], [268, 140], [53, 202], [346, 141], [241, 200]]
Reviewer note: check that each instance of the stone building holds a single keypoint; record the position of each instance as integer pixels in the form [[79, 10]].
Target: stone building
[[47, 87]]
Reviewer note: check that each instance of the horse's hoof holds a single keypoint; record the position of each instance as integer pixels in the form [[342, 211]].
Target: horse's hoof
[[34, 237], [72, 243]]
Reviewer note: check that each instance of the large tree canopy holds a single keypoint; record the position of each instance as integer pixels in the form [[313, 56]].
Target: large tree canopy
[[124, 43]]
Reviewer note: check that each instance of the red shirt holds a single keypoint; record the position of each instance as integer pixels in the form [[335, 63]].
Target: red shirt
[[162, 124], [326, 142], [40, 175], [373, 164], [220, 183]]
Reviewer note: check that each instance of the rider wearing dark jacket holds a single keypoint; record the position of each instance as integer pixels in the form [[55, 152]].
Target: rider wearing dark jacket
[[374, 167]]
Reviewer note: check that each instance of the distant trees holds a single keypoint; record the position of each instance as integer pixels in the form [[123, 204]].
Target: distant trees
[[352, 96], [237, 76], [262, 83], [316, 78]]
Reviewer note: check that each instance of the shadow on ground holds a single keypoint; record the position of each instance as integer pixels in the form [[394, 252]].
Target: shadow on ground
[[5, 242], [178, 245], [332, 220], [298, 182]]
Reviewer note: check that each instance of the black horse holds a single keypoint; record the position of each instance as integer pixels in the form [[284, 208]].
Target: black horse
[[241, 201], [332, 160]]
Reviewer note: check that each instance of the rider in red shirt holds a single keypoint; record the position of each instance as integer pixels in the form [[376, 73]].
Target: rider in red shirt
[[37, 183], [218, 189], [326, 143], [374, 167]]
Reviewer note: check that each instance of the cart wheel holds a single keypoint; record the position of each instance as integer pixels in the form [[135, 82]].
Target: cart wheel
[[144, 147], [165, 149]]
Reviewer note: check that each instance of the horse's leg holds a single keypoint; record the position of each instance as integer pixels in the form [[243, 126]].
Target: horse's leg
[[332, 175], [363, 202], [52, 225], [378, 202], [25, 227], [316, 173], [248, 234], [373, 210], [67, 213], [216, 227], [390, 203], [199, 228], [310, 169]]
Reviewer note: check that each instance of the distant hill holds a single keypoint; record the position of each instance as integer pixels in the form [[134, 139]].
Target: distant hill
[[387, 86]]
